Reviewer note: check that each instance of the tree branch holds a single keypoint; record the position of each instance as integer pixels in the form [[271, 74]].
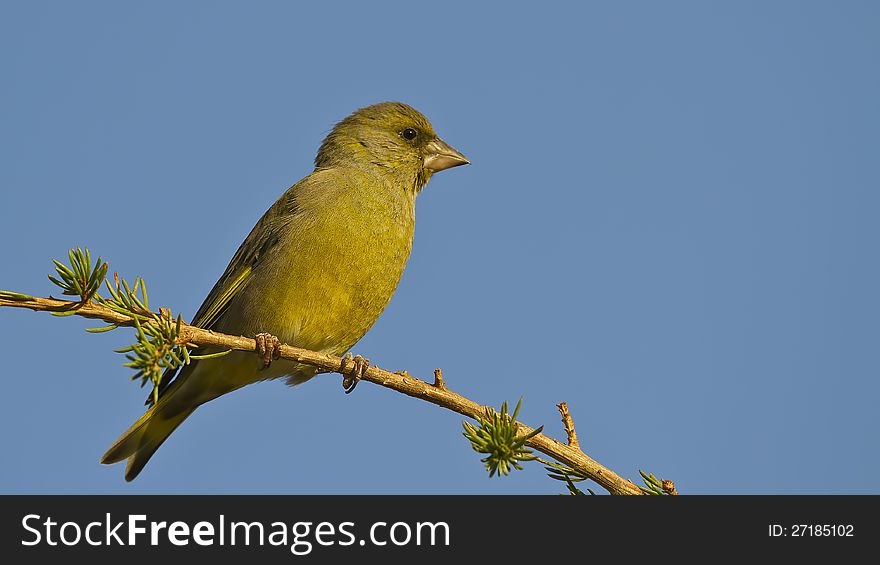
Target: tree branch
[[404, 383]]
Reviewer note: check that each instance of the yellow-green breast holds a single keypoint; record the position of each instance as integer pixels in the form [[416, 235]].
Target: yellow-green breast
[[340, 255]]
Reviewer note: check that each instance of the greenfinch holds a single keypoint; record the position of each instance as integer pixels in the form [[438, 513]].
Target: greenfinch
[[316, 271]]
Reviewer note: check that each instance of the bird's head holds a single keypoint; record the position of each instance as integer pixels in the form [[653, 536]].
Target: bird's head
[[392, 137]]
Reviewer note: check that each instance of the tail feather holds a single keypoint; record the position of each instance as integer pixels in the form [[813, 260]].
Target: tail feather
[[127, 444], [143, 438], [155, 434], [197, 383]]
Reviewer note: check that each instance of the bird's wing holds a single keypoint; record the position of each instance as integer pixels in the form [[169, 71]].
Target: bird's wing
[[255, 247], [237, 274], [262, 238]]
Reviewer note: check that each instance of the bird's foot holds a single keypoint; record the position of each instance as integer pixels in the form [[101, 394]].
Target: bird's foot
[[352, 376], [268, 348]]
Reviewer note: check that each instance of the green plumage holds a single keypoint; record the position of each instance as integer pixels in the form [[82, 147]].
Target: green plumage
[[316, 271]]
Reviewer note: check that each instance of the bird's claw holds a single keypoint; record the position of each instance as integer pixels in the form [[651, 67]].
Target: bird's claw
[[268, 348], [352, 376]]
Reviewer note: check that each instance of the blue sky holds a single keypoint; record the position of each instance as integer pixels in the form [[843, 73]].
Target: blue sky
[[670, 223]]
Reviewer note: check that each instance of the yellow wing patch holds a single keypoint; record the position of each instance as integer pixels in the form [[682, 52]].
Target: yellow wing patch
[[220, 303]]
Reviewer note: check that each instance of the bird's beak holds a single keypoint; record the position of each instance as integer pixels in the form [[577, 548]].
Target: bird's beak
[[439, 156]]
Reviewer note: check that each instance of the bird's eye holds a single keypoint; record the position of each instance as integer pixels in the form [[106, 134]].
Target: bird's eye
[[409, 134]]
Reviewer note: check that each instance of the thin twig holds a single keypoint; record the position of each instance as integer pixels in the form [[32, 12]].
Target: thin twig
[[568, 423], [438, 379], [404, 384]]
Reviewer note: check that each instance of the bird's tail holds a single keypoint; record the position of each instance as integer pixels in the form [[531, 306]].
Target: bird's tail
[[145, 436]]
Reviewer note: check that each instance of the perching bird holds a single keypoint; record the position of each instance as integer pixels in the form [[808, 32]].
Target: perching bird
[[315, 272]]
